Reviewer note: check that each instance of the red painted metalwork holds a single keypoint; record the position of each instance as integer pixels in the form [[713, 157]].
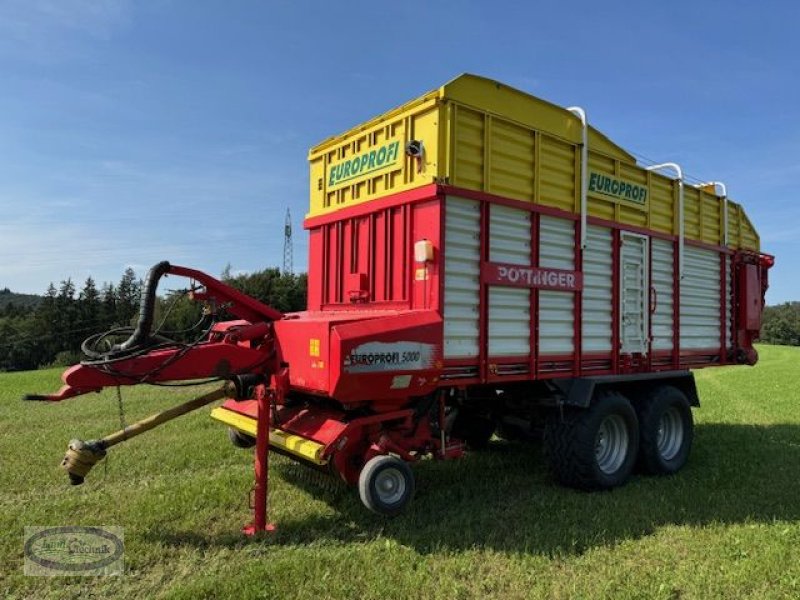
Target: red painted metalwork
[[261, 467], [390, 201], [232, 348], [208, 359]]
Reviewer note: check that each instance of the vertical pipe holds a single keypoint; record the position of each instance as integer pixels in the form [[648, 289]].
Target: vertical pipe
[[681, 225], [581, 114]]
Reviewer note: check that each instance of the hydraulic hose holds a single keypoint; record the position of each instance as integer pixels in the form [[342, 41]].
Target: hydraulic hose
[[141, 334]]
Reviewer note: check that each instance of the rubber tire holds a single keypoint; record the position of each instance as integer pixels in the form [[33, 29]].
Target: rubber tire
[[650, 410], [474, 430], [569, 443], [239, 439], [367, 480]]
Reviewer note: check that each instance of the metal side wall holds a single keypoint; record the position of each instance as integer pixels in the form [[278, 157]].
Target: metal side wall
[[597, 290], [462, 278], [661, 280], [700, 300], [556, 309], [509, 307]]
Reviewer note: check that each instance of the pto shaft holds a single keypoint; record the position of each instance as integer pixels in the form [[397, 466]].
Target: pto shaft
[[81, 456]]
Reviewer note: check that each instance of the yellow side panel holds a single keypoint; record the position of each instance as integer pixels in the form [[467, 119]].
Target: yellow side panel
[[601, 163], [662, 204], [557, 186], [602, 209], [712, 219], [497, 99], [632, 216], [691, 213], [633, 173], [750, 239], [511, 160], [734, 229], [370, 162], [468, 148]]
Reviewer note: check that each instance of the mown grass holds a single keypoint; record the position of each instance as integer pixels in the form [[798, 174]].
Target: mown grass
[[491, 525]]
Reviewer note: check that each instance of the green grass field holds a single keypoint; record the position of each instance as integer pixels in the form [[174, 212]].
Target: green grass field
[[491, 525]]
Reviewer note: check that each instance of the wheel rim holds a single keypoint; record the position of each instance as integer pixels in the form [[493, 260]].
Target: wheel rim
[[390, 486], [611, 444], [669, 437]]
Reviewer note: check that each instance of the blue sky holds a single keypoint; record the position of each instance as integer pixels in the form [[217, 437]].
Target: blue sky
[[132, 132]]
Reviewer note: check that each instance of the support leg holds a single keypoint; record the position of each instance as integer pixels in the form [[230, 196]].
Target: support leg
[[260, 523]]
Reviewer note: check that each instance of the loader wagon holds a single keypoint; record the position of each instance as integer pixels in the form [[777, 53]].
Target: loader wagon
[[480, 261]]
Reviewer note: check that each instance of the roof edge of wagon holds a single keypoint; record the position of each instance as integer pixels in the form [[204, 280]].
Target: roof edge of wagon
[[495, 97]]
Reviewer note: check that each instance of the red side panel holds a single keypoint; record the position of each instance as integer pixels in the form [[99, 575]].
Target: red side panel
[[751, 300], [397, 246], [365, 259], [425, 276], [380, 256], [315, 278], [751, 287], [304, 344], [386, 359]]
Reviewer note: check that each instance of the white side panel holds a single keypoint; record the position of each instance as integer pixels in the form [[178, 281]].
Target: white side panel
[[634, 289], [461, 277], [509, 321], [661, 280], [556, 309], [556, 243], [509, 235], [597, 292], [509, 308], [700, 291], [556, 326]]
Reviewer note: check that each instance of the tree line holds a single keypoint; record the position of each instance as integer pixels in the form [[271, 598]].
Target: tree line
[[50, 332], [781, 324]]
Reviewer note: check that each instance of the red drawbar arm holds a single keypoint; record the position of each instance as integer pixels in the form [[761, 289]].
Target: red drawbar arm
[[232, 348], [243, 306], [208, 359]]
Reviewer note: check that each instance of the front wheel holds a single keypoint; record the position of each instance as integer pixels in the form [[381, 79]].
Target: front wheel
[[386, 485], [239, 439], [667, 430], [593, 448]]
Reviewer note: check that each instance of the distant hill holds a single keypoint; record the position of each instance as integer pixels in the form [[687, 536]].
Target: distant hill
[[18, 300]]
